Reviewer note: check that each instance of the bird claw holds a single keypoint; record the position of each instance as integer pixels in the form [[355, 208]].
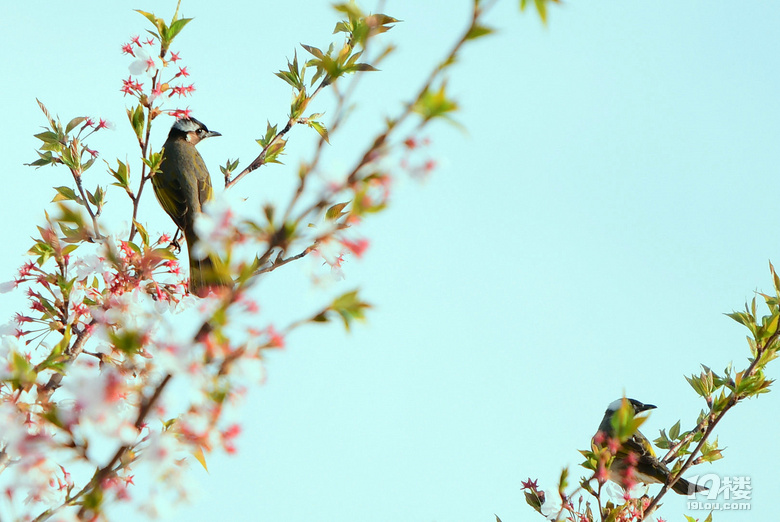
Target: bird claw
[[174, 246]]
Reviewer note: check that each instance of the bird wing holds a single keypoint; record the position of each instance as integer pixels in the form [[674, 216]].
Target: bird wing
[[178, 183], [648, 468], [204, 182], [169, 193], [639, 445]]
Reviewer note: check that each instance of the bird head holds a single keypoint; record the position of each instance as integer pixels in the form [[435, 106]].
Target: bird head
[[191, 130], [638, 407], [635, 404]]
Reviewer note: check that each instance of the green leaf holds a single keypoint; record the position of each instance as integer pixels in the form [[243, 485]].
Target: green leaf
[[153, 162], [321, 130], [434, 104], [317, 53], [269, 210], [121, 175], [663, 441], [275, 150], [564, 480], [270, 133], [66, 194], [674, 431], [360, 67], [541, 7], [771, 328], [72, 124], [149, 16], [23, 374], [299, 105], [97, 198], [136, 117], [45, 158], [533, 500], [289, 78], [624, 423], [351, 9], [52, 139], [478, 31], [142, 232], [293, 75], [52, 122], [347, 306], [341, 27], [229, 167], [176, 27], [335, 211], [350, 308]]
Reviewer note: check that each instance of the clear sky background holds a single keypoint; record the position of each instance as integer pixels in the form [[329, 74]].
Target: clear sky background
[[615, 194]]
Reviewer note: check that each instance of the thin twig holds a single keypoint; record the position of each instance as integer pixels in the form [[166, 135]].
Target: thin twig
[[144, 150], [281, 262], [260, 159], [72, 353], [106, 470], [733, 400]]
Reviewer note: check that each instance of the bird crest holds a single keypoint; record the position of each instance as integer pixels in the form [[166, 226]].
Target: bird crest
[[188, 125]]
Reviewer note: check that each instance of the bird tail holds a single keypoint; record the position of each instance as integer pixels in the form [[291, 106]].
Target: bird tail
[[684, 487], [207, 274]]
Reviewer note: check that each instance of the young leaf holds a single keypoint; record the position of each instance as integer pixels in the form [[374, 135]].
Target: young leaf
[[477, 31], [72, 124], [321, 130]]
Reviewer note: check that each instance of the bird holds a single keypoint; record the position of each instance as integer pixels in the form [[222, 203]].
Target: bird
[[182, 186], [647, 467]]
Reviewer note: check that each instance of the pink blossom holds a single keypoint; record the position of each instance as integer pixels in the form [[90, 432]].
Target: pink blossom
[[156, 92], [356, 247], [601, 474], [130, 87], [19, 318], [529, 484], [182, 90], [275, 339], [173, 267], [181, 113], [27, 268], [228, 438]]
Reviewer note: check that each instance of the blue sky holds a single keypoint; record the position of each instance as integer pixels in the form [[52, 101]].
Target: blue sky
[[613, 196]]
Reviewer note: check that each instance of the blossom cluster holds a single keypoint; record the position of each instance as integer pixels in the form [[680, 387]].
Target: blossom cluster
[[150, 63], [117, 378], [141, 329]]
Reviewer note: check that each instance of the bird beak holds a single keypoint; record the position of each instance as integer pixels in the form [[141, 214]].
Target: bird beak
[[646, 407], [209, 134]]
